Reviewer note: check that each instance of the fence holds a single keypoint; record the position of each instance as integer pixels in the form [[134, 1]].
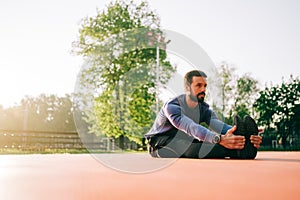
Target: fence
[[41, 140]]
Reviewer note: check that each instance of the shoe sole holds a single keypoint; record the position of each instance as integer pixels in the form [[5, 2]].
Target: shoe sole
[[240, 130], [252, 129]]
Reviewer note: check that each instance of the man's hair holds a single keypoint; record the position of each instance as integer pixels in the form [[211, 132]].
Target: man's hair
[[189, 76]]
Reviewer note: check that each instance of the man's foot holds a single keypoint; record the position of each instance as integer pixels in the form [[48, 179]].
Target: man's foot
[[240, 130], [240, 127], [251, 129]]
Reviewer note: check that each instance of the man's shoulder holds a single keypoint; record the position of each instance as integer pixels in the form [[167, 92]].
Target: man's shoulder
[[177, 102], [180, 99]]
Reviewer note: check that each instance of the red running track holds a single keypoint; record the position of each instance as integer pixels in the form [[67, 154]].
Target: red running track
[[272, 175]]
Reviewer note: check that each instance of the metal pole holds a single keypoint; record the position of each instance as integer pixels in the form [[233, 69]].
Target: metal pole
[[157, 76], [25, 120], [25, 125]]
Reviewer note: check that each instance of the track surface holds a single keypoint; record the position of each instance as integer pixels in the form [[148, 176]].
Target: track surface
[[272, 175]]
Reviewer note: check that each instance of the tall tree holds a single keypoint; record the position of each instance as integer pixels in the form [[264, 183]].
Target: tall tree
[[237, 93], [227, 84], [119, 45], [279, 106], [246, 93]]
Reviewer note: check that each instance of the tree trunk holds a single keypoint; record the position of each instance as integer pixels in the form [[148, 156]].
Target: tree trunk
[[121, 142]]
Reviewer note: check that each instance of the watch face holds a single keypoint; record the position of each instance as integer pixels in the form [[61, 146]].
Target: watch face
[[216, 139]]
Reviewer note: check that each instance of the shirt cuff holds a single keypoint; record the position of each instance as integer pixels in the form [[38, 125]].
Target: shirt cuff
[[209, 137]]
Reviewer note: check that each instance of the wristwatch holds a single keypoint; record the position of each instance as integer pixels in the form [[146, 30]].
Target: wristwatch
[[216, 139]]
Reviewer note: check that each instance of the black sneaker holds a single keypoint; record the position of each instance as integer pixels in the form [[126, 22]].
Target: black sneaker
[[240, 130], [252, 129], [240, 127], [152, 151]]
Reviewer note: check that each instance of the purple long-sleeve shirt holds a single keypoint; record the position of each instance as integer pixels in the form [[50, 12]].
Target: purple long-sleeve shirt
[[176, 115]]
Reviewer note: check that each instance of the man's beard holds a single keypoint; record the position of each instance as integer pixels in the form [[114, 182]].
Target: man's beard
[[196, 98]]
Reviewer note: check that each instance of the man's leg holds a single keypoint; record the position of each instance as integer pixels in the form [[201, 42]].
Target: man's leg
[[179, 144], [170, 145], [214, 151], [158, 146]]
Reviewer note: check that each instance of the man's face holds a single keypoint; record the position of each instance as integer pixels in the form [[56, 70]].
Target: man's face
[[197, 89]]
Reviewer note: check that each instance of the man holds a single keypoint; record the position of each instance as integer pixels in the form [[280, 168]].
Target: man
[[178, 130]]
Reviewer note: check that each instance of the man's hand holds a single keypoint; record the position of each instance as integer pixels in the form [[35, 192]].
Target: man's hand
[[231, 141], [256, 140]]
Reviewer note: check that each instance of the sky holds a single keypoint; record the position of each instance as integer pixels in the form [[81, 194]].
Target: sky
[[260, 37]]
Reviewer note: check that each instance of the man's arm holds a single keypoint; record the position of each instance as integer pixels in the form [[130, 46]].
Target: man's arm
[[214, 123], [185, 124], [218, 126]]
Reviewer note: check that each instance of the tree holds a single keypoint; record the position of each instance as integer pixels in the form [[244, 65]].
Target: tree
[[279, 106], [238, 93], [245, 95], [266, 105], [227, 85], [119, 45], [43, 113]]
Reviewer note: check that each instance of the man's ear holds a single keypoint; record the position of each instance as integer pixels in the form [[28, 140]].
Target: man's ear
[[187, 88]]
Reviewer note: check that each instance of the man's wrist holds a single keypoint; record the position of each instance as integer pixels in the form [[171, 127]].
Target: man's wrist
[[222, 140], [216, 139]]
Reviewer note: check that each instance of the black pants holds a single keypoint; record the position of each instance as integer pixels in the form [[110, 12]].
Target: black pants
[[180, 145]]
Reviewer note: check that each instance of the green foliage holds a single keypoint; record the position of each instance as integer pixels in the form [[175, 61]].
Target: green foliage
[[140, 111], [108, 123], [267, 105], [119, 16], [279, 106]]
